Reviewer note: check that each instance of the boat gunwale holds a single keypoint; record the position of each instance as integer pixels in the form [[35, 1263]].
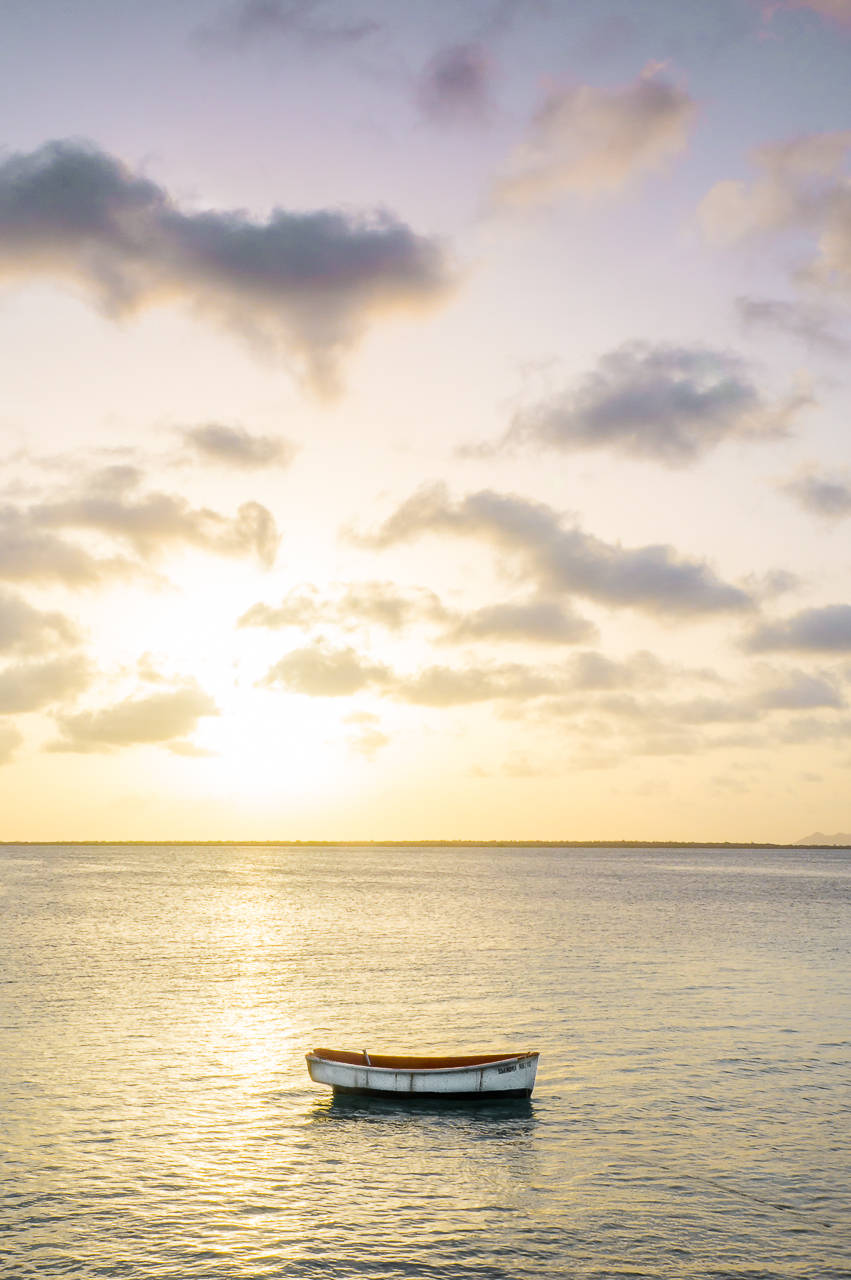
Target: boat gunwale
[[315, 1056]]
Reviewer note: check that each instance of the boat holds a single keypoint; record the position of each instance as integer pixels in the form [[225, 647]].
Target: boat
[[472, 1077]]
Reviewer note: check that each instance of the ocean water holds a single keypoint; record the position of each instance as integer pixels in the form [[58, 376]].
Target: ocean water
[[692, 1113]]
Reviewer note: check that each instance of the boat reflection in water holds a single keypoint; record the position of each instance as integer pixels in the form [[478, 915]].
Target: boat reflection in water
[[486, 1077]]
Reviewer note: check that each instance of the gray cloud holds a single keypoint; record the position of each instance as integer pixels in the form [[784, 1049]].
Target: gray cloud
[[324, 672], [304, 284], [108, 502], [28, 631], [588, 140], [800, 691], [541, 621], [29, 554], [822, 630], [152, 522], [454, 84], [822, 495], [813, 324], [29, 686], [300, 21], [668, 403], [236, 447], [653, 578], [593, 671], [157, 718], [10, 740]]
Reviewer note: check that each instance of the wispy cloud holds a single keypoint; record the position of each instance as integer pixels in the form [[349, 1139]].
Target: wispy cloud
[[835, 11], [561, 557], [828, 496], [304, 285], [236, 447], [814, 325], [670, 404], [355, 604], [588, 140], [309, 24]]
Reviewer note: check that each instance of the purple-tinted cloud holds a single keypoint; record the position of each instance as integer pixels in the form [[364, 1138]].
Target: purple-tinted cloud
[[565, 558], [588, 140], [302, 22], [821, 630], [667, 403], [305, 285], [455, 84]]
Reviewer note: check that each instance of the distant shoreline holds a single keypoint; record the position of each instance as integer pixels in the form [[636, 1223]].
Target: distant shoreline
[[420, 844]]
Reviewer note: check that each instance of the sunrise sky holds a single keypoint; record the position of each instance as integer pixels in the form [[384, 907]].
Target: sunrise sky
[[425, 419]]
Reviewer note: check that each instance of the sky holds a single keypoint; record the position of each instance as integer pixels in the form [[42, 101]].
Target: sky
[[425, 420]]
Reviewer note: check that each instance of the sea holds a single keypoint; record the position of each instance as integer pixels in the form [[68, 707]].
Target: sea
[[691, 1117]]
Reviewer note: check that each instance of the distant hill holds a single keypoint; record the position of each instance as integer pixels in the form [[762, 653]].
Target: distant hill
[[818, 837]]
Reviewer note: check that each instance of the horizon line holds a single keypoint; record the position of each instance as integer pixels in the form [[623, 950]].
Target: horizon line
[[443, 843]]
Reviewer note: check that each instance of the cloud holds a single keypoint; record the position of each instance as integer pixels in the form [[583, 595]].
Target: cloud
[[156, 718], [667, 403], [380, 603], [837, 11], [302, 284], [540, 621], [800, 691], [827, 496], [795, 184], [368, 739], [236, 447], [151, 522], [28, 631], [565, 558], [438, 686], [808, 322], [29, 686], [10, 740], [259, 21], [593, 671], [822, 630], [29, 554], [323, 672], [454, 85], [801, 184], [588, 140]]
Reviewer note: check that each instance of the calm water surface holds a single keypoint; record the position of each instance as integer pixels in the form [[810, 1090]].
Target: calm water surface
[[692, 1116]]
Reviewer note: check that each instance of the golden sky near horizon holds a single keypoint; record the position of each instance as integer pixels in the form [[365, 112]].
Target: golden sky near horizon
[[425, 421]]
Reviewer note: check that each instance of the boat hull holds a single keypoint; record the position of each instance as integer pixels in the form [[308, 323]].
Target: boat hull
[[509, 1077]]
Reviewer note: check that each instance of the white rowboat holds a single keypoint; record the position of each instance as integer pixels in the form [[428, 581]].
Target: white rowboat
[[474, 1077]]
